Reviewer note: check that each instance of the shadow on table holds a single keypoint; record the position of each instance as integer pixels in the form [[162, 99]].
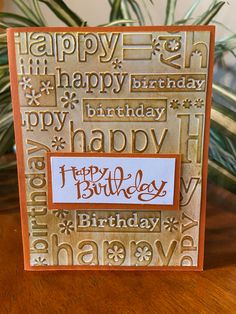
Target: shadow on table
[[220, 244]]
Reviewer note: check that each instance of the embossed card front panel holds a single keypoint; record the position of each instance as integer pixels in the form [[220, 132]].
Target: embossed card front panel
[[118, 91]]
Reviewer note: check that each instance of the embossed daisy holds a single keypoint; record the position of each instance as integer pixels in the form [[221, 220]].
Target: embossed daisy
[[66, 227], [117, 64], [60, 213], [143, 254], [174, 104], [46, 87], [115, 253], [69, 100], [173, 45], [155, 46], [199, 103], [171, 224], [40, 261], [33, 98], [25, 82], [58, 143], [187, 103]]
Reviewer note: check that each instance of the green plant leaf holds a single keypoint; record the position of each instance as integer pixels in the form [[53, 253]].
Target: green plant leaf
[[3, 39], [170, 12], [17, 17], [137, 11], [223, 26], [226, 45], [6, 121], [5, 87], [39, 12], [6, 139], [221, 176], [206, 18], [115, 10], [117, 22], [10, 164], [9, 25], [148, 12], [125, 11], [222, 149], [191, 10], [4, 25], [27, 11], [63, 12], [3, 56], [224, 91], [5, 101]]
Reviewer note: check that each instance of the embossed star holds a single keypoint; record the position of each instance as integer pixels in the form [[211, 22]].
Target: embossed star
[[25, 82], [117, 64], [58, 143], [46, 87], [155, 46], [33, 98], [60, 213]]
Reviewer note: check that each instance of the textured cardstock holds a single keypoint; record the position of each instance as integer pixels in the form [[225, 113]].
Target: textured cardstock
[[134, 98]]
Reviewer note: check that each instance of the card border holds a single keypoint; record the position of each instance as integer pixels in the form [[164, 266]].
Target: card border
[[20, 150]]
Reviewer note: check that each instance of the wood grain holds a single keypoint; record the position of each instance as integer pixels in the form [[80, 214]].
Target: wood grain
[[211, 291]]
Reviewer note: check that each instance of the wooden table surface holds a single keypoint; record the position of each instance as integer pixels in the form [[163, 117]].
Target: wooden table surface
[[210, 291]]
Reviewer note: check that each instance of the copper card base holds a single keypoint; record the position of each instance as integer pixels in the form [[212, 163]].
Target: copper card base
[[95, 96]]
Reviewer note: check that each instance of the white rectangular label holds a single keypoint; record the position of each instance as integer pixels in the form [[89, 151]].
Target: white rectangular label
[[112, 180]]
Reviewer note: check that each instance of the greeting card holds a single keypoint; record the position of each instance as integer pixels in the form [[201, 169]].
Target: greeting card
[[112, 131]]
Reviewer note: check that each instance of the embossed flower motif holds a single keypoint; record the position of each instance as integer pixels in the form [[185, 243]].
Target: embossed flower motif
[[66, 226], [199, 103], [60, 213], [155, 46], [33, 98], [40, 261], [187, 103], [58, 143], [69, 100], [25, 82], [196, 53], [116, 253], [171, 224], [46, 87], [143, 254], [174, 104], [173, 45], [117, 64]]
